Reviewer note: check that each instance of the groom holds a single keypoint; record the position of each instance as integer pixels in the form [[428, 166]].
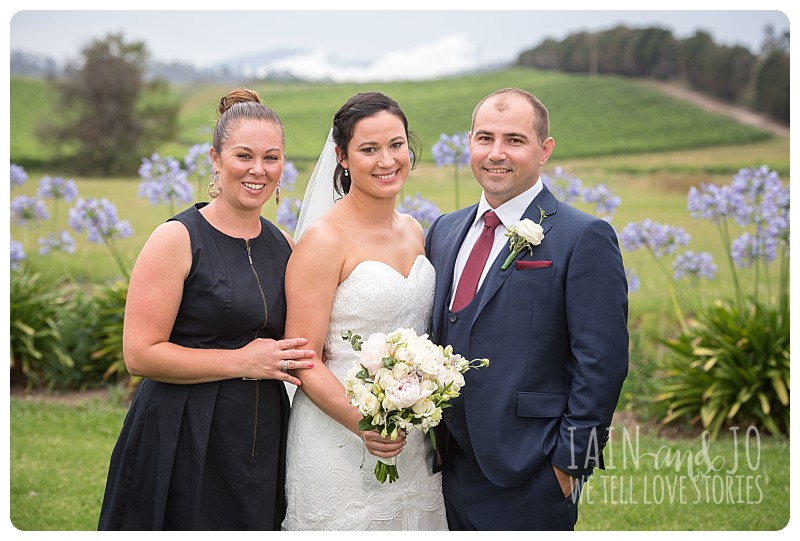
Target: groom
[[527, 431]]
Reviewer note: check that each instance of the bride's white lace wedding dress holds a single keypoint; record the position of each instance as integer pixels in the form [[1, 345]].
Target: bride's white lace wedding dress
[[330, 483]]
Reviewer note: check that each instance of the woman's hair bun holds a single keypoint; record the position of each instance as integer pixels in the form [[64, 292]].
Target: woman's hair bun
[[237, 95]]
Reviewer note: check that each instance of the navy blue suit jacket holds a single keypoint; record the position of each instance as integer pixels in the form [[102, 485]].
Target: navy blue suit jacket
[[557, 339]]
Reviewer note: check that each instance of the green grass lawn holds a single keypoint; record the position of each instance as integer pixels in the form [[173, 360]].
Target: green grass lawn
[[652, 483], [59, 460]]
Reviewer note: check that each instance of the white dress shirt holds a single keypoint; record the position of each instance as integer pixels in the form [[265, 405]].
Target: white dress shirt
[[509, 212]]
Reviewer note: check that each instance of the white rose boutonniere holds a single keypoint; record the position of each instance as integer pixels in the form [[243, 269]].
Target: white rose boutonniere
[[525, 234]]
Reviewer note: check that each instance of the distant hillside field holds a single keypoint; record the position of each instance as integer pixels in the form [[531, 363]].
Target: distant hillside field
[[590, 116]]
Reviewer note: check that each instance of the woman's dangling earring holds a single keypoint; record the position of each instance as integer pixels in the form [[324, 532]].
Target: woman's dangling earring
[[214, 188], [347, 172], [278, 195]]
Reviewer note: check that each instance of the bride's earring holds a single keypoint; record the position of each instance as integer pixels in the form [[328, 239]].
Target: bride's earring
[[214, 188], [346, 173], [278, 195]]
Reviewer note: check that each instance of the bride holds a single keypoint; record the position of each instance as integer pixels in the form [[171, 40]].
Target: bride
[[358, 267]]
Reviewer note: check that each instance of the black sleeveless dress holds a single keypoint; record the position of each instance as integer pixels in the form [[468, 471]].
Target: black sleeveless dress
[[210, 456]]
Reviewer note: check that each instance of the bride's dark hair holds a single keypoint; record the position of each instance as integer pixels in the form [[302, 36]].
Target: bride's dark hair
[[362, 105]]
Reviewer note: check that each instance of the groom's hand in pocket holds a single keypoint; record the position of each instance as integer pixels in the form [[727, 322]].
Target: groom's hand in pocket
[[566, 481], [383, 447]]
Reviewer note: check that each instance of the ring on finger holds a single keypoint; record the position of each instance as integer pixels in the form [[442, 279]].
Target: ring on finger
[[285, 366]]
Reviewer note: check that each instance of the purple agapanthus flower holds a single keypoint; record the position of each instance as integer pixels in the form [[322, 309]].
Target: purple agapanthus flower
[[753, 183], [98, 217], [564, 187], [661, 239], [601, 197], [766, 197], [198, 161], [423, 210], [163, 181], [28, 211], [18, 175], [716, 203], [452, 150], [756, 197], [747, 249], [633, 280], [57, 188], [288, 212], [288, 176], [17, 254], [63, 242], [694, 265]]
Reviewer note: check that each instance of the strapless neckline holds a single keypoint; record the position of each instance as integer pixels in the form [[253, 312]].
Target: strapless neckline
[[367, 262]]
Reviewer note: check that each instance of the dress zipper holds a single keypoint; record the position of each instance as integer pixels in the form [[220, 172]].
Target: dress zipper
[[266, 318]]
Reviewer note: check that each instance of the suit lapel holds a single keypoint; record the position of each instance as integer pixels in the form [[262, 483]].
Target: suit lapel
[[444, 280], [497, 277]]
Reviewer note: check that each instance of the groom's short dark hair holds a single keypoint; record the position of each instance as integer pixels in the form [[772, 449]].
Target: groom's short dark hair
[[541, 117]]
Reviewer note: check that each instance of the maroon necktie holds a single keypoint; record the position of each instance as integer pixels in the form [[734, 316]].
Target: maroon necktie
[[471, 275]]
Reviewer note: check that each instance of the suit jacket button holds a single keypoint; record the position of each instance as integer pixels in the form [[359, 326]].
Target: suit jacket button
[[453, 318], [448, 417]]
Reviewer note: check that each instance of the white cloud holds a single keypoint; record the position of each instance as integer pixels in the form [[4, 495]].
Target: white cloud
[[447, 55]]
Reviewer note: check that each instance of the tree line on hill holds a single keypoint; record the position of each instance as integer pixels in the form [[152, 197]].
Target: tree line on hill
[[759, 82]]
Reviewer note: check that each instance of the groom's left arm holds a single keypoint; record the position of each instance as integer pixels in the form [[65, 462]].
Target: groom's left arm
[[596, 307]]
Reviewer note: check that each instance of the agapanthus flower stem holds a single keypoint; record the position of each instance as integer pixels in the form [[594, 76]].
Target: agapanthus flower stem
[[722, 226], [112, 248], [671, 289]]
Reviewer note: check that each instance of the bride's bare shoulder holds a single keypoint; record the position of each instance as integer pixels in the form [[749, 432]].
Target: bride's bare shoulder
[[323, 237]]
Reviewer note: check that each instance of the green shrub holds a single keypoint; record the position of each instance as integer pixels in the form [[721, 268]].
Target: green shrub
[[37, 343], [78, 321], [110, 301], [731, 365]]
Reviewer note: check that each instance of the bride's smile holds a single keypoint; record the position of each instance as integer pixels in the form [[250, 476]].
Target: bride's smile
[[378, 151]]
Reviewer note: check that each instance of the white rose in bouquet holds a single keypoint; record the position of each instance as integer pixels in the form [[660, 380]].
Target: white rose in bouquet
[[401, 370], [384, 379], [368, 405], [424, 407], [373, 352]]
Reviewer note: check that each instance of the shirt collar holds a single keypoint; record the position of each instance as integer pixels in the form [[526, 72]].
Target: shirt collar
[[513, 209]]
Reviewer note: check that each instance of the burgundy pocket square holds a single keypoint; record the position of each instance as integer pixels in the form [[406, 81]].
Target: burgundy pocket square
[[521, 265]]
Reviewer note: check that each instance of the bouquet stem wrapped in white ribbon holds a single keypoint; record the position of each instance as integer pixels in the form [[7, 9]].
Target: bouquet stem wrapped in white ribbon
[[403, 381]]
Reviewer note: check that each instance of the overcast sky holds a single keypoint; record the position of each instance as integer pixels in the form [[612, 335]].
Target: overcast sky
[[357, 44]]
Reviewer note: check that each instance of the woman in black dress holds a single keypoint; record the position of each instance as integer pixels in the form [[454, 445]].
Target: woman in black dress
[[203, 445]]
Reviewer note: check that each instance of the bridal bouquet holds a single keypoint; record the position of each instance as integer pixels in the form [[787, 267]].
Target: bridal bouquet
[[403, 381]]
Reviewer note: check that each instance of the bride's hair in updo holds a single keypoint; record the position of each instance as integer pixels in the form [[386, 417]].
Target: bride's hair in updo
[[238, 104], [362, 105]]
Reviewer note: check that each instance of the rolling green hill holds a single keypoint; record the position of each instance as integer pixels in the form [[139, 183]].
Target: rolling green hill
[[590, 116]]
